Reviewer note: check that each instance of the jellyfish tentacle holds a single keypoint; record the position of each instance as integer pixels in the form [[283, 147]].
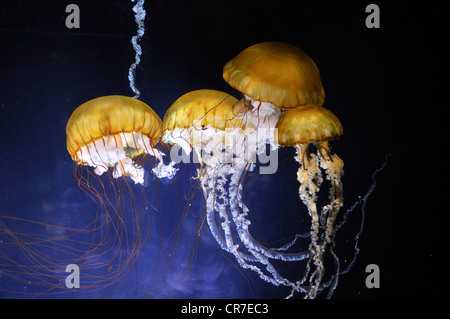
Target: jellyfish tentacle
[[292, 242], [242, 223], [209, 195], [261, 117], [310, 178], [334, 171], [213, 183], [333, 167]]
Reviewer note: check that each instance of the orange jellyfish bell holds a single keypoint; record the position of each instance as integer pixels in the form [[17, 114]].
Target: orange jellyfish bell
[[277, 73], [307, 124], [110, 131], [201, 120], [201, 108]]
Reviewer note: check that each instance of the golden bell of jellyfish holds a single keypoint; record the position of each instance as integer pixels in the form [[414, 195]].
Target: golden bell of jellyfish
[[111, 131], [201, 108], [315, 125], [277, 73], [199, 120], [308, 124]]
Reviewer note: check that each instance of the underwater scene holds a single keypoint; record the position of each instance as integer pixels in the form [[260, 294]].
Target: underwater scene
[[214, 149]]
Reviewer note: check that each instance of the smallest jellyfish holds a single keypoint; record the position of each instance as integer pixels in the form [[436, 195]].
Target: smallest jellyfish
[[301, 127]]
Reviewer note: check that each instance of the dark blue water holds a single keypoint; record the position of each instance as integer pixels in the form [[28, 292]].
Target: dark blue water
[[48, 70]]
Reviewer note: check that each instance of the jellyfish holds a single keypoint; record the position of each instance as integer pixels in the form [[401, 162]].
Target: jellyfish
[[110, 140], [211, 124], [301, 127], [202, 122], [117, 132], [111, 131]]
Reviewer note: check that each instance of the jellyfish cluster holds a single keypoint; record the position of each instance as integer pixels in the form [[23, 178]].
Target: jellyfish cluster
[[281, 105]]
